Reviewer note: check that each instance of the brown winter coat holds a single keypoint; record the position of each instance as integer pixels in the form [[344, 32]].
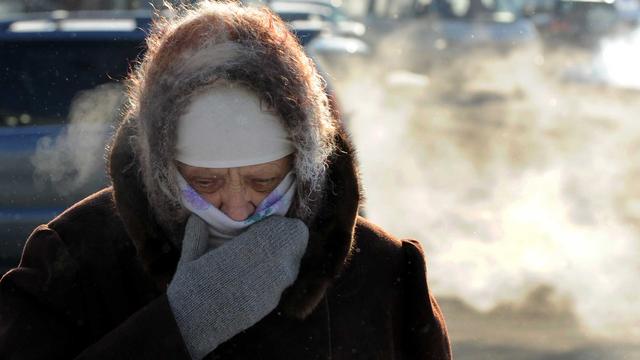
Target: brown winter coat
[[91, 284]]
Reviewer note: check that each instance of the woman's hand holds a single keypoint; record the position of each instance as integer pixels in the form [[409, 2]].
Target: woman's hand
[[216, 294]]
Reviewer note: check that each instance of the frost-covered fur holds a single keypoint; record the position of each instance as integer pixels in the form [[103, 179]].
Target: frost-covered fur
[[215, 43]]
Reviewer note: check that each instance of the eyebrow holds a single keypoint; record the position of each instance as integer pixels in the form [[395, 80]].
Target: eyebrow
[[264, 173], [272, 168], [264, 170], [206, 173]]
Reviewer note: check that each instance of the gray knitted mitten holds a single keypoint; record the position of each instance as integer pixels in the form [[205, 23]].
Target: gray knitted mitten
[[216, 294]]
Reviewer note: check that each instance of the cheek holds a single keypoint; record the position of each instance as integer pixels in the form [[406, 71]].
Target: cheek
[[256, 197], [213, 199]]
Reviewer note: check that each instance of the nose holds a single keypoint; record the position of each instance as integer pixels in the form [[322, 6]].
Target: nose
[[237, 210], [235, 202]]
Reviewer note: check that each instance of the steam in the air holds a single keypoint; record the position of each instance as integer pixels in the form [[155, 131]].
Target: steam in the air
[[75, 157], [512, 176]]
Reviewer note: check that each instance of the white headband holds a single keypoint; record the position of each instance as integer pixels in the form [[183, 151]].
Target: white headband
[[226, 127]]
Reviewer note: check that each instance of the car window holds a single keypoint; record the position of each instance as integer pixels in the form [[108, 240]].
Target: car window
[[475, 8], [13, 7], [44, 76]]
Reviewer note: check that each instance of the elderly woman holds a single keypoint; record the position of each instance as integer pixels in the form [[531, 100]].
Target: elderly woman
[[231, 229]]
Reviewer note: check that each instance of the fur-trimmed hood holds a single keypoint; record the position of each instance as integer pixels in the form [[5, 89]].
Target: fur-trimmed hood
[[199, 48]]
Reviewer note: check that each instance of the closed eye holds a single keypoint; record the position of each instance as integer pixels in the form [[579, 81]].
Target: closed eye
[[264, 185], [207, 185]]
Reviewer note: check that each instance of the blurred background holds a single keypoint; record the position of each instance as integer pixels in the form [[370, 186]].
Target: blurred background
[[500, 133]]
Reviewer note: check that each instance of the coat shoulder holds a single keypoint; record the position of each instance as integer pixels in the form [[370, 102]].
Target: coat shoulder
[[396, 268], [92, 226], [374, 239], [95, 207], [375, 252]]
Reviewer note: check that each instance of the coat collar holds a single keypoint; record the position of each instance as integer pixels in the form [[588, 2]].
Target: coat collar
[[331, 231]]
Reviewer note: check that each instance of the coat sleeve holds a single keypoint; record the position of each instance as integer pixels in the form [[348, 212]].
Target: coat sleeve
[[43, 314], [425, 333]]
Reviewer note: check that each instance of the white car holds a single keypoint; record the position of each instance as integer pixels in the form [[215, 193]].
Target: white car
[[294, 11]]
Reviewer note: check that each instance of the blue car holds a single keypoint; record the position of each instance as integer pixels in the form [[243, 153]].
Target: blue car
[[57, 70]]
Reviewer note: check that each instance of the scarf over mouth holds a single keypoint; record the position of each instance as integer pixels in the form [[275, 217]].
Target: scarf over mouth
[[222, 227]]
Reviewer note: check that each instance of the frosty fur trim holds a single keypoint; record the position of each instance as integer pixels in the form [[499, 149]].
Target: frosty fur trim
[[212, 43]]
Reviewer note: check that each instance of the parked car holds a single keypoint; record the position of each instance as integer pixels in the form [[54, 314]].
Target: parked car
[[301, 10], [480, 23], [445, 29], [56, 66], [582, 21], [337, 44]]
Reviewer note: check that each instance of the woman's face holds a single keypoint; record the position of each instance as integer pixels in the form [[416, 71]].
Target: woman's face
[[236, 191]]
